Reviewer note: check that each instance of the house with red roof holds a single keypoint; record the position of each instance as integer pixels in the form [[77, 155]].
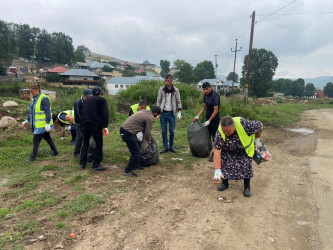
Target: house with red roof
[[58, 70]]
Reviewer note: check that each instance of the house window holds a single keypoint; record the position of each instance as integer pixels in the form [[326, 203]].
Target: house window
[[116, 86], [121, 86], [85, 79]]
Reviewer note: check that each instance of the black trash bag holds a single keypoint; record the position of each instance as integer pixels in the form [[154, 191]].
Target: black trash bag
[[199, 139], [149, 153]]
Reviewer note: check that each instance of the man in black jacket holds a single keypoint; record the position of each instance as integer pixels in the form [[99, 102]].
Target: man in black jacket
[[78, 106], [95, 117]]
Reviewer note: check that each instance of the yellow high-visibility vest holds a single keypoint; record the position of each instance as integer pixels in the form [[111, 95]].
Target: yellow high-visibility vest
[[247, 141], [135, 108], [67, 112], [40, 116]]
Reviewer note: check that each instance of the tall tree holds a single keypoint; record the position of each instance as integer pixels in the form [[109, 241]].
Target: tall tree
[[62, 48], [7, 47], [26, 40], [309, 89], [184, 71], [264, 64], [165, 66], [80, 57], [298, 87], [328, 89], [203, 70], [231, 75], [44, 46]]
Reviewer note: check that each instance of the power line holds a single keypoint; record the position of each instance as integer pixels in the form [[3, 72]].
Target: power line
[[276, 11], [301, 13]]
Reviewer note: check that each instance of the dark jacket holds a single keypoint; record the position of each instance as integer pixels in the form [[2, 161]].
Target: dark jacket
[[140, 121], [78, 106], [95, 111]]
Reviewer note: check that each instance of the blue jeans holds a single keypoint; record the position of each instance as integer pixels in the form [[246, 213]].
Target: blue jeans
[[168, 116]]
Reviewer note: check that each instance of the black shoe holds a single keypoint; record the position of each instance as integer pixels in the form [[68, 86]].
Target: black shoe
[[223, 186], [164, 150], [99, 168], [247, 192], [138, 167], [82, 167], [173, 150], [54, 154], [31, 159], [130, 173]]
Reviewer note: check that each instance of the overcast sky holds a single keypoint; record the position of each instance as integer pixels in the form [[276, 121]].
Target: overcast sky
[[300, 35]]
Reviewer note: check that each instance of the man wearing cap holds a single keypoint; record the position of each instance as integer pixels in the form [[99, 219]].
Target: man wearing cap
[[78, 105], [211, 104], [140, 121], [94, 117], [169, 101]]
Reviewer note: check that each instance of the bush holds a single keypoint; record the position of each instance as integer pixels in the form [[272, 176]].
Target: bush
[[51, 77], [235, 107], [148, 90]]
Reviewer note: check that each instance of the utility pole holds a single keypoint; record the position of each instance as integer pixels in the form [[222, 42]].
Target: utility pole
[[233, 76], [215, 73], [249, 61]]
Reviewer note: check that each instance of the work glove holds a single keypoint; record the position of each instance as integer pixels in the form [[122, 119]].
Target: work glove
[[206, 123], [139, 136], [179, 116], [47, 127], [24, 123], [257, 143], [218, 175], [63, 138], [196, 119], [69, 127], [106, 131]]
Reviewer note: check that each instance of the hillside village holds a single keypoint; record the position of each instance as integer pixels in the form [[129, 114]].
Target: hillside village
[[95, 70]]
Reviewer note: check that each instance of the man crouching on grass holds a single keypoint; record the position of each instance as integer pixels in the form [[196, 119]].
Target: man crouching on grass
[[140, 121]]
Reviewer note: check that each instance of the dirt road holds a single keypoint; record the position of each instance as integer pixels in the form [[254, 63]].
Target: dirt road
[[178, 208]]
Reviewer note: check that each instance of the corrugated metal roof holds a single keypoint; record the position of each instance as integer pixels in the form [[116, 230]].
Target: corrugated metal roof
[[132, 80], [96, 65], [79, 72], [123, 80]]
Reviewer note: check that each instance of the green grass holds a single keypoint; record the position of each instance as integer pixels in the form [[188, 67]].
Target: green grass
[[80, 205], [45, 199], [3, 212], [61, 225], [284, 113]]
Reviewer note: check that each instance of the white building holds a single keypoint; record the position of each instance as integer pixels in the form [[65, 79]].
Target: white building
[[116, 84]]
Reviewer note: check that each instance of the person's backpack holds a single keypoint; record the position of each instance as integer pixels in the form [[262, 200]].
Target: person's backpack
[[199, 139], [149, 153]]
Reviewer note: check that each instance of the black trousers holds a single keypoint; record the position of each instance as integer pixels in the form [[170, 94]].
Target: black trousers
[[91, 130], [37, 139], [213, 127], [133, 146]]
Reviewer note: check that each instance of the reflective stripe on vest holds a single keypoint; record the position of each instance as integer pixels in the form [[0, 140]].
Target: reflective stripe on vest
[[247, 141], [40, 116], [135, 108], [67, 112]]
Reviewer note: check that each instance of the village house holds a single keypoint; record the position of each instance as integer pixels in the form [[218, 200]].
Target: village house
[[97, 67], [79, 77], [116, 84], [147, 65], [81, 65]]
